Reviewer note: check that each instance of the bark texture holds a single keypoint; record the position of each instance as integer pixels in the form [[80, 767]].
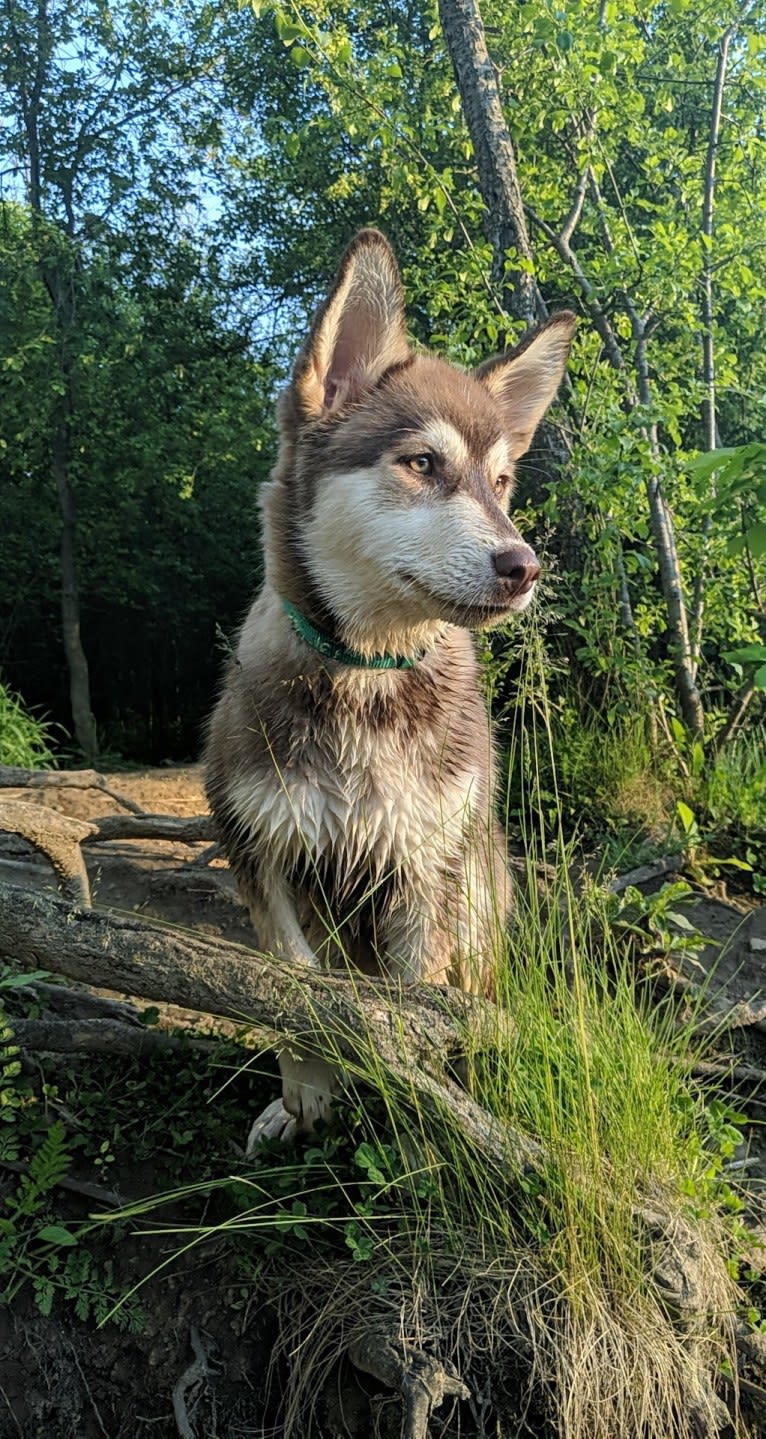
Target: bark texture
[[505, 222], [414, 1031]]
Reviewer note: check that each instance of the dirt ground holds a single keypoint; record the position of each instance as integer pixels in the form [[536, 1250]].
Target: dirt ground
[[203, 1337]]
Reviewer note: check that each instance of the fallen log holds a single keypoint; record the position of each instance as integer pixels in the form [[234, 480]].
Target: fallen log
[[415, 1031]]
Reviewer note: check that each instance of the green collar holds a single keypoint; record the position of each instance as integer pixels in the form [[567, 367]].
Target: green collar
[[334, 650]]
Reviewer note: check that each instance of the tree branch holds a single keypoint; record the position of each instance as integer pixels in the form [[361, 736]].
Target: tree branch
[[572, 219], [413, 1030], [58, 837], [601, 324], [12, 777]]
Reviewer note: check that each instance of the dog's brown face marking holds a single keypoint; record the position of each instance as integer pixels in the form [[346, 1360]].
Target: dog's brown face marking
[[426, 408], [387, 514]]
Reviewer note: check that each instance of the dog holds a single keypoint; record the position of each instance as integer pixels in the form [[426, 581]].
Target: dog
[[349, 761]]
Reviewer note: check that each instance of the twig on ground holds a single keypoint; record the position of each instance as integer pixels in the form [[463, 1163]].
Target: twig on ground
[[192, 829], [11, 777], [720, 1069], [655, 869], [76, 1186], [201, 861]]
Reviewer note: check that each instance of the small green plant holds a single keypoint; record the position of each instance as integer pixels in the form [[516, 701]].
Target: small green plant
[[25, 740], [655, 923], [51, 1257]]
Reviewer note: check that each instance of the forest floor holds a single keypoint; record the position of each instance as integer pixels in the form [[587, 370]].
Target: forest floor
[[192, 1346]]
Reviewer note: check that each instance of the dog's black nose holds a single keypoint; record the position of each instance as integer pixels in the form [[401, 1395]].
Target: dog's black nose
[[518, 566]]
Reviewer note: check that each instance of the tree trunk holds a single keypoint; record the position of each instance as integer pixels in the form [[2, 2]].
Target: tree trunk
[[62, 303], [663, 532], [709, 415], [79, 679], [505, 222]]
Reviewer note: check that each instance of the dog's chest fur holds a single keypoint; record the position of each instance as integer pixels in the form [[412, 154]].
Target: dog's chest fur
[[365, 799], [358, 770]]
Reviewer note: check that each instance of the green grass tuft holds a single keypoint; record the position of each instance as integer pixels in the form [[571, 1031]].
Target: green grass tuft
[[24, 739]]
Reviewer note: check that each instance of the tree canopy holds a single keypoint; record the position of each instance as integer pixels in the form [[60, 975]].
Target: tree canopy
[[179, 182]]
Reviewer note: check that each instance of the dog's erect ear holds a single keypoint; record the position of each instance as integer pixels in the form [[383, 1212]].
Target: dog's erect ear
[[525, 381], [358, 332]]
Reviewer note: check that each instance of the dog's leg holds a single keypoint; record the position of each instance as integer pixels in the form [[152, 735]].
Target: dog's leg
[[453, 934], [308, 1084], [416, 945], [275, 919]]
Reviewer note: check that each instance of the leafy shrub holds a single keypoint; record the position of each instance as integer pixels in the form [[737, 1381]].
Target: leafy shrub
[[24, 739]]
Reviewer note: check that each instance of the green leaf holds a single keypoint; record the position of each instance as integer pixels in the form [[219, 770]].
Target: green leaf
[[680, 921], [746, 655], [16, 981], [759, 678], [56, 1234], [706, 464], [756, 539], [686, 816], [44, 1292]]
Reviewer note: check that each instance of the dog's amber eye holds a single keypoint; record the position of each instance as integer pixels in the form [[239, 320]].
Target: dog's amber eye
[[420, 464], [501, 483]]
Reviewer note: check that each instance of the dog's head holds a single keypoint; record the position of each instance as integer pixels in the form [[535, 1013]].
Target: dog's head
[[387, 516]]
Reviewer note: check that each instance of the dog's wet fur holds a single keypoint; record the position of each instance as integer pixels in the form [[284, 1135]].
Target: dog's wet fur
[[355, 804]]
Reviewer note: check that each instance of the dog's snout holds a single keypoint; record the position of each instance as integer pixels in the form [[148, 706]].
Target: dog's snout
[[518, 566]]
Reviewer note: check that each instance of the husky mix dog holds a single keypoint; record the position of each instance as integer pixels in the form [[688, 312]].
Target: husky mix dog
[[349, 760]]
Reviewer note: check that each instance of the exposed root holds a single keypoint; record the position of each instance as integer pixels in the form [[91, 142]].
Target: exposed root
[[423, 1382], [592, 1364], [197, 1374], [58, 837]]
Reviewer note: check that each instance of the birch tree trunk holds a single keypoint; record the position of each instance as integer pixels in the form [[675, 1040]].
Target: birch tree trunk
[[505, 221], [506, 227], [709, 408]]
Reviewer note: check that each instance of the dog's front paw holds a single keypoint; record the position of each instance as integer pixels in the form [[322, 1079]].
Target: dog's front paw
[[309, 1087], [275, 1122]]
